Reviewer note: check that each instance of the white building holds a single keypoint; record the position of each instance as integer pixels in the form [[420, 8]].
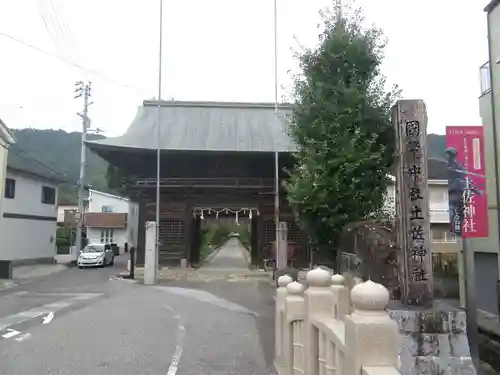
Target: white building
[[6, 139], [111, 219], [29, 217]]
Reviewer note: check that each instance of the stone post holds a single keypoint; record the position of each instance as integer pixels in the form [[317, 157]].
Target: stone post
[[318, 301], [279, 319], [150, 257], [372, 337], [412, 203], [341, 300], [295, 314], [282, 247]]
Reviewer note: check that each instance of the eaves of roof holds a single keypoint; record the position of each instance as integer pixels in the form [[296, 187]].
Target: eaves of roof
[[6, 133], [491, 5]]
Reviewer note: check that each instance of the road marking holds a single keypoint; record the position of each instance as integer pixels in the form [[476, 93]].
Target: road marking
[[179, 341], [4, 286], [204, 296], [23, 337], [45, 309], [15, 294], [48, 318], [10, 334]]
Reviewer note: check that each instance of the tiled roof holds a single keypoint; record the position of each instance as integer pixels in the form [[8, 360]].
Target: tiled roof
[[216, 126], [437, 169], [17, 161], [207, 126]]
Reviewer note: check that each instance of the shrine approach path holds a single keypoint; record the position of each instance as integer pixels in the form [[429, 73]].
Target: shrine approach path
[[231, 256]]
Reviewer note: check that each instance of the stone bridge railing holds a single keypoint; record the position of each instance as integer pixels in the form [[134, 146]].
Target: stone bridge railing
[[325, 329]]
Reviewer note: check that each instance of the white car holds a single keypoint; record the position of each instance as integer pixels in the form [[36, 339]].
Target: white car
[[96, 255]]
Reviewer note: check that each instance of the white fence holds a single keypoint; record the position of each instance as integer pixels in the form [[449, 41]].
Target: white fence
[[327, 330]]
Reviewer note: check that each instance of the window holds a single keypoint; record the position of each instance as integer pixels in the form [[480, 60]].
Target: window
[[106, 235], [10, 188], [439, 196], [48, 195], [105, 208], [485, 79]]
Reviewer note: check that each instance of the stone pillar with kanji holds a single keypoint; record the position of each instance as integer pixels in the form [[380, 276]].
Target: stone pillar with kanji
[[433, 332], [412, 203]]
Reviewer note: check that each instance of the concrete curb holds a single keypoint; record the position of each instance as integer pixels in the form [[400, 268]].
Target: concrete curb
[[209, 257]]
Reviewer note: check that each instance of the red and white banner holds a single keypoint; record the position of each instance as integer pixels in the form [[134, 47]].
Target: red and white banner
[[467, 181]]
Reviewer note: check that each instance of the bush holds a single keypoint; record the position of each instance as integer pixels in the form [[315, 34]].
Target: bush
[[244, 235], [62, 242], [220, 235]]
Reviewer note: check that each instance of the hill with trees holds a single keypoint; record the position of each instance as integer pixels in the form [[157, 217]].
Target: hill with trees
[[59, 152]]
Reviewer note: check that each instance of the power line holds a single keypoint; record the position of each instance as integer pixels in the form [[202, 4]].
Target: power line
[[76, 65], [51, 20]]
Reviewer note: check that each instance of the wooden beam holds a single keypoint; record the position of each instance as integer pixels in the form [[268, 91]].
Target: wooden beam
[[213, 183]]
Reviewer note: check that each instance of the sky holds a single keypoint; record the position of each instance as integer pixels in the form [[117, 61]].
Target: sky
[[218, 50]]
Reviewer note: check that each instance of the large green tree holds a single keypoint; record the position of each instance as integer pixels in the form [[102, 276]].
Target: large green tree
[[342, 125]]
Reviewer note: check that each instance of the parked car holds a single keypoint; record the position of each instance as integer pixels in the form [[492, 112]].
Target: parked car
[[96, 255]]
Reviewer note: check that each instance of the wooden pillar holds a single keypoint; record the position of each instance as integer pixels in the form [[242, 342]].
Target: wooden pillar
[[188, 234], [254, 240], [196, 240], [260, 234]]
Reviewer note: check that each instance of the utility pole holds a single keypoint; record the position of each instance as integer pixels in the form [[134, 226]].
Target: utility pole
[[158, 140], [281, 260], [85, 90]]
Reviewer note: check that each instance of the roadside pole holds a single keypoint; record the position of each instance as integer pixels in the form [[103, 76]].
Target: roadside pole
[[470, 301], [85, 90]]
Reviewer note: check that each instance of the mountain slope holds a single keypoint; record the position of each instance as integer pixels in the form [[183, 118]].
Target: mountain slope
[[59, 152]]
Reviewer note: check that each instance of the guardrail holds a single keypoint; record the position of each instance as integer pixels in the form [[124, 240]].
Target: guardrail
[[328, 329]]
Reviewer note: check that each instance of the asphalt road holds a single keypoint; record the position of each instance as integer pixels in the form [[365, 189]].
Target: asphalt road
[[81, 322]]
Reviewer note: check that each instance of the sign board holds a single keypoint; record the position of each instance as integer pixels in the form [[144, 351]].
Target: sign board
[[467, 181]]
